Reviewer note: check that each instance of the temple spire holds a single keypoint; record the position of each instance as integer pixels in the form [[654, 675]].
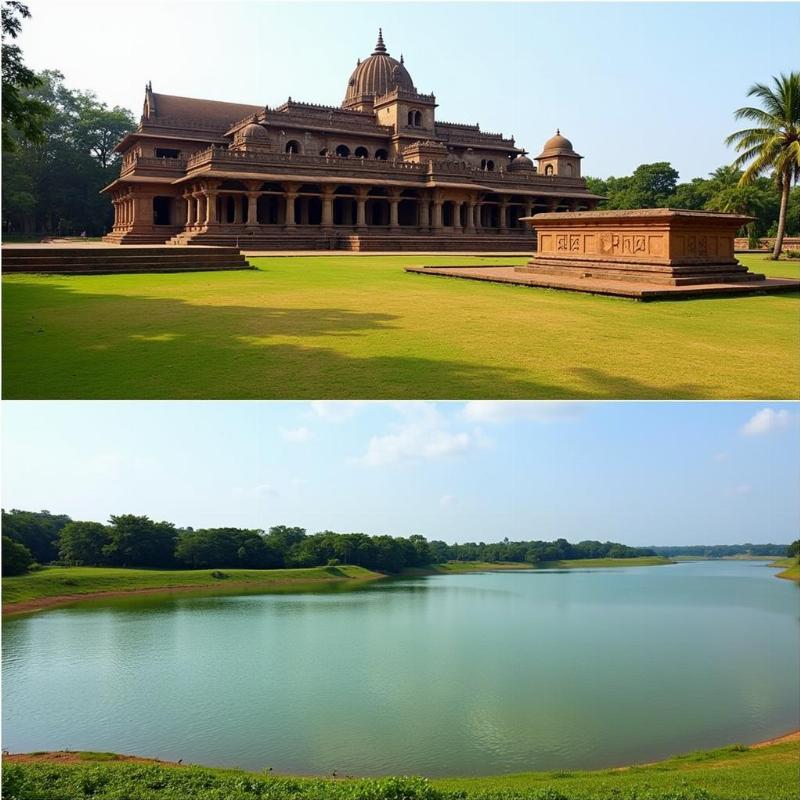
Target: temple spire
[[380, 47]]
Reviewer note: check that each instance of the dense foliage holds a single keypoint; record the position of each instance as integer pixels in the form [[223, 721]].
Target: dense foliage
[[793, 551], [37, 530], [52, 184], [137, 541], [17, 559], [22, 112], [656, 186], [722, 550]]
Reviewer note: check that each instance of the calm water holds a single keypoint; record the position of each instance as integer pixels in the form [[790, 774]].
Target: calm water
[[463, 674]]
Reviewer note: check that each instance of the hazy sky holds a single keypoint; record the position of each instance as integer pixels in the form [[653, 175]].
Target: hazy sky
[[640, 473], [628, 83]]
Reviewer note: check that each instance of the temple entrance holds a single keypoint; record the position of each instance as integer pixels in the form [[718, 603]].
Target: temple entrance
[[162, 211], [408, 209]]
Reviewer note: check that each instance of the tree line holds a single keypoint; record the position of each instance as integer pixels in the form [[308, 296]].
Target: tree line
[[128, 540], [726, 550], [656, 186]]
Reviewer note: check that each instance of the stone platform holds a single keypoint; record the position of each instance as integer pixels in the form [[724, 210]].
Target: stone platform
[[646, 254], [637, 291], [96, 259]]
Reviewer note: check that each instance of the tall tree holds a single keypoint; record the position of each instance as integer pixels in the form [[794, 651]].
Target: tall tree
[[82, 543], [16, 557], [21, 112], [774, 144]]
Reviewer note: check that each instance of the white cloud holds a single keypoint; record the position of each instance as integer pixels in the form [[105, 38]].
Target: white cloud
[[336, 410], [531, 410], [423, 435], [255, 492], [742, 488], [301, 434], [446, 500], [766, 421]]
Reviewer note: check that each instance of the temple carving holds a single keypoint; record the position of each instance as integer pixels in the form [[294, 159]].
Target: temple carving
[[378, 172]]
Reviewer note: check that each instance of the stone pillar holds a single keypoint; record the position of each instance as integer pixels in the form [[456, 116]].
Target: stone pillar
[[573, 205], [394, 202], [424, 214], [252, 209], [528, 210], [470, 216], [436, 224], [478, 220], [190, 207], [503, 221], [237, 209], [361, 209], [211, 207], [457, 216], [289, 198], [552, 204], [327, 206]]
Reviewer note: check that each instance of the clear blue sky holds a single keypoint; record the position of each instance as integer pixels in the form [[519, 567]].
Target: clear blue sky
[[640, 473], [628, 83]]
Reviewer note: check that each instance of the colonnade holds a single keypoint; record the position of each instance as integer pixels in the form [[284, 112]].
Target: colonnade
[[359, 208]]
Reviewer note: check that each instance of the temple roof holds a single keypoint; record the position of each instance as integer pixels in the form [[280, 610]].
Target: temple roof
[[378, 74], [190, 111]]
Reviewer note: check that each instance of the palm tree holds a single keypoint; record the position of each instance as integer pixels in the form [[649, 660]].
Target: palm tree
[[775, 144]]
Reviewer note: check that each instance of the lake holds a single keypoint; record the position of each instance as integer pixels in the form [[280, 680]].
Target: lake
[[442, 675]]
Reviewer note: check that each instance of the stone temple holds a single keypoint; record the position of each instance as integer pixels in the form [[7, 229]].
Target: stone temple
[[379, 172]]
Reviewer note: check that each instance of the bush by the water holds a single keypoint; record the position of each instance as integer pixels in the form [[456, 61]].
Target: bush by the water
[[43, 781]]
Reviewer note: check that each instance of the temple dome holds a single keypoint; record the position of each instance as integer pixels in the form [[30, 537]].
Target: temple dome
[[254, 132], [521, 164], [558, 145], [378, 74]]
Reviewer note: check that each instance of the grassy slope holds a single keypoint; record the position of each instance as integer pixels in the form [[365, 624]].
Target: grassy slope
[[58, 581], [343, 326], [734, 773], [792, 568], [52, 582]]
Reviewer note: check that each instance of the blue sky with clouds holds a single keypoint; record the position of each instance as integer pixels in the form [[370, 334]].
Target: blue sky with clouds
[[629, 83], [640, 473]]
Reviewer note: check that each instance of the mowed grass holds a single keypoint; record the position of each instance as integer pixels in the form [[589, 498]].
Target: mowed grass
[[593, 563], [731, 773], [50, 582], [360, 327]]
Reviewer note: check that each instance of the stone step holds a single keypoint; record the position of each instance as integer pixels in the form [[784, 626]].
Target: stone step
[[115, 259]]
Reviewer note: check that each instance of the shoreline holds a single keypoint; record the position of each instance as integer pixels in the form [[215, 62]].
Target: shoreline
[[289, 583], [94, 757], [208, 589]]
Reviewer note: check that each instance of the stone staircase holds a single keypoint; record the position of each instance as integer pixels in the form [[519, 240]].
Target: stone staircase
[[120, 259], [282, 239]]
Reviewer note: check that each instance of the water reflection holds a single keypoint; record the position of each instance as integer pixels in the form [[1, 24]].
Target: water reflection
[[473, 673]]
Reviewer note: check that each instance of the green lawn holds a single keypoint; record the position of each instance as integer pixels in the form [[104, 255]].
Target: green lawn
[[358, 326], [732, 773], [50, 582]]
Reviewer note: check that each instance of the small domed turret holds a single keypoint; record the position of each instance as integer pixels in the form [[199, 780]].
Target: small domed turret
[[521, 164]]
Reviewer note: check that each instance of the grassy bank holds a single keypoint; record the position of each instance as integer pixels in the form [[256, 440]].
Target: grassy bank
[[731, 773], [52, 586], [360, 327], [791, 571], [59, 585], [593, 563]]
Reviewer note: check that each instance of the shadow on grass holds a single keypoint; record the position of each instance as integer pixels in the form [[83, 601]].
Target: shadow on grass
[[59, 343]]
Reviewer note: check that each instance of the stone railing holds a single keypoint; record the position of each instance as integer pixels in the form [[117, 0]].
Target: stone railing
[[284, 160], [151, 162]]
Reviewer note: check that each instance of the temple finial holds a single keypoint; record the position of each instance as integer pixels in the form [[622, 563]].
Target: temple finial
[[558, 131], [380, 47], [402, 60]]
